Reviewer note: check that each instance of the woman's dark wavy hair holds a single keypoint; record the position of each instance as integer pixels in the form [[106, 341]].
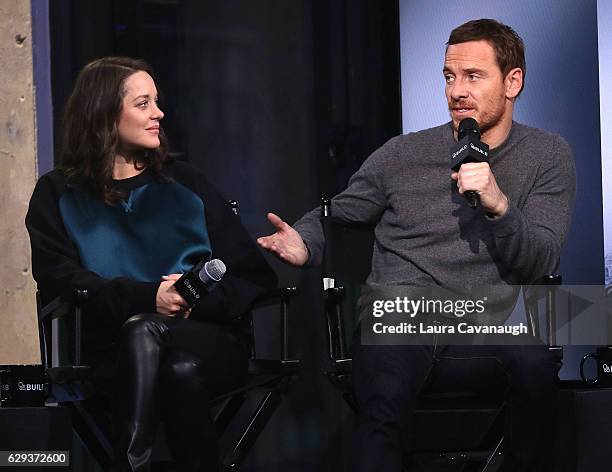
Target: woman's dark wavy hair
[[90, 138]]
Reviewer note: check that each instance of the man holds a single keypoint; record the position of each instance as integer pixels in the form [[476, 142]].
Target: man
[[427, 235]]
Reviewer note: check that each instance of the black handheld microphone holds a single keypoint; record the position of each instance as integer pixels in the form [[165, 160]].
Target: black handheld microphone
[[469, 149], [198, 281]]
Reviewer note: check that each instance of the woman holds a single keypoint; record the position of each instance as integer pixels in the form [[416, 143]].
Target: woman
[[123, 221]]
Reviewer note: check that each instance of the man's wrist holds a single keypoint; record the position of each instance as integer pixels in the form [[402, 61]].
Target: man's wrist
[[308, 253], [500, 210]]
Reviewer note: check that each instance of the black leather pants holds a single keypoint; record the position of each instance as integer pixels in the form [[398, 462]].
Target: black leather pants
[[168, 369]]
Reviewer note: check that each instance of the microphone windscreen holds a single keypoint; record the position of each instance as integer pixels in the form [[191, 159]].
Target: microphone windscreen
[[468, 126], [214, 269]]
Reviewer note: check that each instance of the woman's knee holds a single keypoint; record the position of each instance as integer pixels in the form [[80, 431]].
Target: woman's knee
[[142, 324], [180, 370]]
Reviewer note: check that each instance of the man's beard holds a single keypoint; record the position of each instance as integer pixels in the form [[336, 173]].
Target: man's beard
[[486, 121]]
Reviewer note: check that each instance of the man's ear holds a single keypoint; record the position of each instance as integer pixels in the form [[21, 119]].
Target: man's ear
[[513, 82]]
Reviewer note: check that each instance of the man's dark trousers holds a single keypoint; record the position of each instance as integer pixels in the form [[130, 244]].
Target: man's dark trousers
[[388, 380]]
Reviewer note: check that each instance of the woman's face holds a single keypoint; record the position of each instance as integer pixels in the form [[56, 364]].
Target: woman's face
[[138, 123]]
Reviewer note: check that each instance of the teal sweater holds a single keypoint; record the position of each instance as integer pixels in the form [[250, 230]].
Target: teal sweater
[[119, 253]]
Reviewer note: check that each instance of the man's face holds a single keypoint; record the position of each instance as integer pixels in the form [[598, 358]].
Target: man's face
[[475, 86]]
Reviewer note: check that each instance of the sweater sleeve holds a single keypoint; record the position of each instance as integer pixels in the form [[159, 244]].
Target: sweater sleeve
[[248, 274], [363, 202], [56, 265], [530, 238]]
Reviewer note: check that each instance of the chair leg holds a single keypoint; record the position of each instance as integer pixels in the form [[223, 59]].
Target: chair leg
[[350, 401], [94, 439], [260, 418], [495, 458], [227, 411]]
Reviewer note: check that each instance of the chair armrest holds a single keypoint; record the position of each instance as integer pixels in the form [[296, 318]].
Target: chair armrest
[[550, 279], [70, 373], [50, 308], [271, 297], [59, 308]]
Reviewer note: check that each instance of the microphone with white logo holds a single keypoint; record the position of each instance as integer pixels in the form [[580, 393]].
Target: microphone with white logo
[[469, 149], [198, 281]]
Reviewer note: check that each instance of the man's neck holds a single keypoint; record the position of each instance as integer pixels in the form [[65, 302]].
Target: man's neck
[[499, 133]]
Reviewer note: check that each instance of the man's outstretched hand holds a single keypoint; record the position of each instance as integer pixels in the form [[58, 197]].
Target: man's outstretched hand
[[286, 243]]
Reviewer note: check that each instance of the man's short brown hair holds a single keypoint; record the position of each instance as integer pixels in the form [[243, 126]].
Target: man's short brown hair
[[507, 44]]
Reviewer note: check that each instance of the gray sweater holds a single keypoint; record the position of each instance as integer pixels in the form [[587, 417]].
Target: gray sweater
[[427, 235]]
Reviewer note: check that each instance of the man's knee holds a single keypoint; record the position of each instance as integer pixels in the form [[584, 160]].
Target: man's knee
[[387, 380], [387, 400]]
